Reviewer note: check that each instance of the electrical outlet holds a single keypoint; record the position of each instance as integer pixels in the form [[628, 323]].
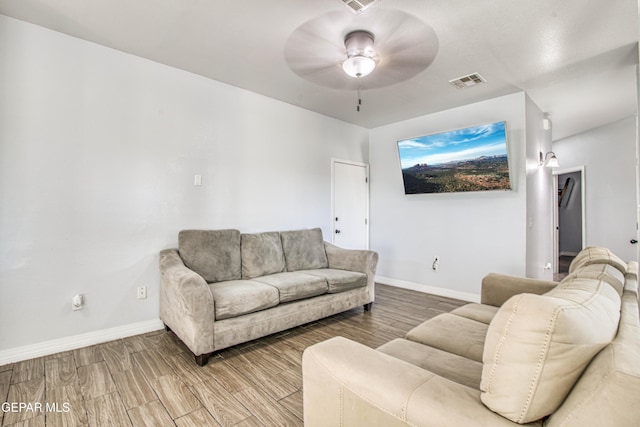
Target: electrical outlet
[[142, 292], [77, 302]]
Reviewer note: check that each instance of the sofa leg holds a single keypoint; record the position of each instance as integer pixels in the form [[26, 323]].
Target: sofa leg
[[202, 359], [367, 307], [167, 328]]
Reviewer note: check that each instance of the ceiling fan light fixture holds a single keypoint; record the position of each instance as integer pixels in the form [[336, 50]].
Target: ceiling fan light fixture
[[359, 66], [361, 59]]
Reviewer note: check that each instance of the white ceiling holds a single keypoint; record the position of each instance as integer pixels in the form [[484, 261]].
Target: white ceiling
[[575, 58]]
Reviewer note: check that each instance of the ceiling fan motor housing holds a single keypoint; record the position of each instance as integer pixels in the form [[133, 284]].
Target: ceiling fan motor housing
[[359, 42]]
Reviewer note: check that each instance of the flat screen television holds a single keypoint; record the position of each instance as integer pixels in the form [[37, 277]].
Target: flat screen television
[[470, 159]]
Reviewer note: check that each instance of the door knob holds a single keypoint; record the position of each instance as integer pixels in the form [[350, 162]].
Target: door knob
[[633, 241], [337, 231]]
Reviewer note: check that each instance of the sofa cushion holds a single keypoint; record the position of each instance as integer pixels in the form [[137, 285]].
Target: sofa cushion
[[597, 255], [538, 345], [304, 249], [339, 280], [213, 254], [606, 394], [606, 272], [237, 297], [479, 312], [448, 365], [295, 285], [261, 254], [451, 333]]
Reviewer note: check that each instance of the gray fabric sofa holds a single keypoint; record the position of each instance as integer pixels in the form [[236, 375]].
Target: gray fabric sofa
[[221, 288], [533, 352]]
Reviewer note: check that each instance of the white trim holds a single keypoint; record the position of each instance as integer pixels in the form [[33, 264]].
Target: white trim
[[78, 341], [435, 290]]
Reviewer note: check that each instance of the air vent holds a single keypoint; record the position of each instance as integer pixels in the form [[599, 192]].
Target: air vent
[[358, 6], [467, 81]]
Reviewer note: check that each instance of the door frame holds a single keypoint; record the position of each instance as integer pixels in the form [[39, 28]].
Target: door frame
[[556, 231], [333, 195]]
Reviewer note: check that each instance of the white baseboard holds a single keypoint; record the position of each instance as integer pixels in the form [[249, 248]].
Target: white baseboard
[[77, 341], [435, 290]]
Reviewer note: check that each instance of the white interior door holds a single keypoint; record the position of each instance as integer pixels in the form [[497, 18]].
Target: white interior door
[[350, 196]]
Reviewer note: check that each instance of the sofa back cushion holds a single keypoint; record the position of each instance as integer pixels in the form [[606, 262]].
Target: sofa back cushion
[[261, 254], [304, 249], [538, 345], [607, 392], [213, 254], [597, 255], [606, 272]]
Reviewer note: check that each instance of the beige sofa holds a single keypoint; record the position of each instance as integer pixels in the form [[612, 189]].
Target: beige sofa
[[534, 352], [221, 288]]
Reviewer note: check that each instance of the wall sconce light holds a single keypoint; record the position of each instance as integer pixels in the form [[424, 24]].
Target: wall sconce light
[[549, 160]]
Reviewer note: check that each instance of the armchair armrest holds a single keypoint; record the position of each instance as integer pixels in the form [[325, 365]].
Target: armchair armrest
[[186, 303], [348, 384], [498, 288]]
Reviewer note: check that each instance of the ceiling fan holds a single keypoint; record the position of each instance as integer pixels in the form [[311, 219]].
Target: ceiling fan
[[342, 50]]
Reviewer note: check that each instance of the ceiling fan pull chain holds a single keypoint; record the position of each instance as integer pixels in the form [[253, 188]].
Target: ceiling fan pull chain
[[359, 100]]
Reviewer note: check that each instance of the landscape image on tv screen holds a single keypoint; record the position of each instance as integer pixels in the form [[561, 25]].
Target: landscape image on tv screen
[[470, 159]]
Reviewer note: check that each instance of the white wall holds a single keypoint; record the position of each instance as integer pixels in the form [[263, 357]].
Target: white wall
[[472, 233], [539, 222], [98, 151], [608, 154]]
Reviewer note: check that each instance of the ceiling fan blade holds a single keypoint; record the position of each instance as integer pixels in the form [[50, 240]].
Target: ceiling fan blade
[[404, 47]]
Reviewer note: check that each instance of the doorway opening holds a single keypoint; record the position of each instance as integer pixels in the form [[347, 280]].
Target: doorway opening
[[569, 218]]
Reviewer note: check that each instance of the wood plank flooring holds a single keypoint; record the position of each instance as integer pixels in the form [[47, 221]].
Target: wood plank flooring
[[152, 379]]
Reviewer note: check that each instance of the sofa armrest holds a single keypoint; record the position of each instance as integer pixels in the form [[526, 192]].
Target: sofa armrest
[[363, 261], [186, 303], [498, 288], [360, 260], [348, 384]]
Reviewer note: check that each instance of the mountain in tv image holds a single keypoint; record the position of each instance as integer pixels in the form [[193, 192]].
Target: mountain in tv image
[[480, 174], [469, 159]]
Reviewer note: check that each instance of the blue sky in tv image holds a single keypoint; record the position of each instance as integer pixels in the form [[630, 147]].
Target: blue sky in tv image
[[454, 146]]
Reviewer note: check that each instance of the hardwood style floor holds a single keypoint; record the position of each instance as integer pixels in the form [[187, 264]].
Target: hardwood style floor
[[152, 380]]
